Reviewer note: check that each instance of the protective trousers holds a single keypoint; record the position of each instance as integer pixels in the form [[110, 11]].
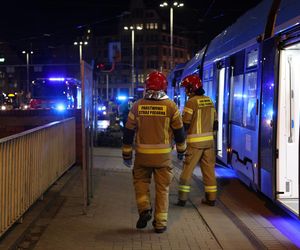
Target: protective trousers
[[142, 178], [207, 159]]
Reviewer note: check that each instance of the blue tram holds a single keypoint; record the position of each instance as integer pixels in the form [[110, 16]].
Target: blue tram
[[252, 72]]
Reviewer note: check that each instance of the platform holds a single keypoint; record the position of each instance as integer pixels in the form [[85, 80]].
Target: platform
[[112, 215]]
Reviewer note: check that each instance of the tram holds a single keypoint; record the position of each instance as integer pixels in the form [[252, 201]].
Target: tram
[[251, 71]]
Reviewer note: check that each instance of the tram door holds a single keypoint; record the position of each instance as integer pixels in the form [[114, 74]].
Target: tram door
[[288, 128]]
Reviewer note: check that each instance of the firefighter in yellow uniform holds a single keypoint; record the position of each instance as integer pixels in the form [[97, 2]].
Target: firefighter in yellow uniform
[[153, 122], [200, 122]]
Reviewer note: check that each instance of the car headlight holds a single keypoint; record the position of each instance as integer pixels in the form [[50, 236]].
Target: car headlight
[[3, 107]]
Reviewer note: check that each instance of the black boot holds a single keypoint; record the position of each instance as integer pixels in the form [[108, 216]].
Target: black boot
[[145, 216], [158, 230], [181, 203], [208, 202]]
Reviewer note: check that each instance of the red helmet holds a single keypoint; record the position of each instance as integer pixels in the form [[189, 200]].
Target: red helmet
[[156, 81], [191, 83]]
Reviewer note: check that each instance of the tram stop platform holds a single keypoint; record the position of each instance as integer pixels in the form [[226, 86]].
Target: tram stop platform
[[240, 220]]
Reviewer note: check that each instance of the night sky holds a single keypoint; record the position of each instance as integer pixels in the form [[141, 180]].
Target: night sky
[[27, 22]]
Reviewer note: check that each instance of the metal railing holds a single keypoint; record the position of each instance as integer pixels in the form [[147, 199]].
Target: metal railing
[[30, 162]]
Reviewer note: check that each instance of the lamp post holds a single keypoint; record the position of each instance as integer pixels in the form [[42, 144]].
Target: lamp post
[[173, 5], [27, 68], [80, 43], [132, 28]]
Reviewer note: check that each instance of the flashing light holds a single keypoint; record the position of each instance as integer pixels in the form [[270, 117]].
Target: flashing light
[[122, 98], [56, 79], [11, 95], [60, 107]]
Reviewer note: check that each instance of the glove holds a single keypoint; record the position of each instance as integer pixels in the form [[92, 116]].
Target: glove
[[127, 163], [180, 156]]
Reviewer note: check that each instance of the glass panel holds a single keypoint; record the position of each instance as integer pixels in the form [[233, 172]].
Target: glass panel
[[249, 114], [252, 58], [211, 73], [205, 87], [206, 76], [237, 99]]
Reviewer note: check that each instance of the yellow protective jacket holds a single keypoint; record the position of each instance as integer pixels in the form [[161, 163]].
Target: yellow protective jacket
[[200, 115], [155, 123]]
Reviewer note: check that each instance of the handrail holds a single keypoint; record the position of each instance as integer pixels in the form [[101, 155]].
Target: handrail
[[30, 162]]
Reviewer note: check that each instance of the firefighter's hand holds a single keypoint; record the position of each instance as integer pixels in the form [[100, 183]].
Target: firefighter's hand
[[180, 156], [127, 163]]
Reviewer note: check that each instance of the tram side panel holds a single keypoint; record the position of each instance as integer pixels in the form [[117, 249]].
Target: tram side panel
[[268, 119]]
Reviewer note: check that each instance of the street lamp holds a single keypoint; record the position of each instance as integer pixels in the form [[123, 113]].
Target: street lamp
[[173, 5], [80, 48], [27, 67], [132, 28]]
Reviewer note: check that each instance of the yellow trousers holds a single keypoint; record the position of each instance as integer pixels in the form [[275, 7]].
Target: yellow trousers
[[163, 175], [206, 158]]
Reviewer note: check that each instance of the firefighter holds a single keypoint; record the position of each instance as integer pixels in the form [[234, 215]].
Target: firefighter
[[200, 123], [153, 121]]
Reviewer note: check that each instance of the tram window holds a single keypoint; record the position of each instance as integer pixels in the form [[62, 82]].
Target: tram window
[[211, 72], [252, 58], [205, 87], [210, 88], [206, 74], [237, 99], [249, 114]]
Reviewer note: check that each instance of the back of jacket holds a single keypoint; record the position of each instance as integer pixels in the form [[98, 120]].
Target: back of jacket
[[155, 122], [199, 113]]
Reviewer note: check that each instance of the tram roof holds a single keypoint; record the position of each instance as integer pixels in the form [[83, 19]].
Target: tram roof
[[192, 65], [288, 15], [241, 34]]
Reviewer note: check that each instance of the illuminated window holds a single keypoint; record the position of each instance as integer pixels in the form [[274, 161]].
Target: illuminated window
[[141, 78], [151, 26], [155, 26], [252, 58], [164, 26], [237, 99], [140, 25], [249, 112]]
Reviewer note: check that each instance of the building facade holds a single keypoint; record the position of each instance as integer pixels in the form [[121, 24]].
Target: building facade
[[146, 50]]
